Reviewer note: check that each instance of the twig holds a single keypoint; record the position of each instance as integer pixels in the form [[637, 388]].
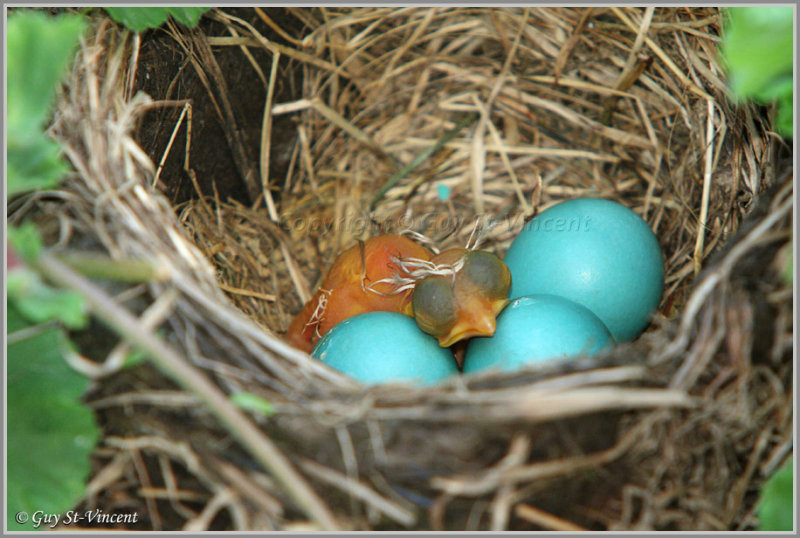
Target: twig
[[222, 498], [108, 475], [356, 489], [574, 402], [264, 17], [260, 40], [663, 57], [122, 322], [239, 291], [568, 47], [178, 450], [701, 225], [248, 55], [526, 207], [151, 318], [696, 359], [199, 51], [743, 483], [563, 153], [501, 508], [306, 158], [160, 398], [172, 491], [709, 283], [479, 484], [548, 521], [249, 487], [144, 478], [634, 66], [336, 119], [777, 457], [172, 494], [186, 112], [29, 332], [421, 157], [567, 113], [342, 122], [266, 139], [133, 66], [398, 53], [477, 159]]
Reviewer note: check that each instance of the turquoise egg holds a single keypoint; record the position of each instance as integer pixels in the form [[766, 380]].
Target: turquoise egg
[[597, 253], [384, 347], [538, 329]]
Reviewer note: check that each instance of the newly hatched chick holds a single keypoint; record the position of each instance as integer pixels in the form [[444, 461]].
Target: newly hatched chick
[[454, 295], [462, 296], [357, 282]]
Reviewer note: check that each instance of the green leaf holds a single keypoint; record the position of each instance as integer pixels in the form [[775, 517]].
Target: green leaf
[[39, 303], [51, 434], [252, 402], [26, 241], [34, 299], [40, 48], [142, 18], [135, 357], [139, 19], [788, 267], [776, 506], [34, 163], [785, 118], [188, 16], [758, 47]]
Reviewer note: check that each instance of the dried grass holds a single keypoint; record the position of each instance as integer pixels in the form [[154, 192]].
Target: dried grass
[[672, 431]]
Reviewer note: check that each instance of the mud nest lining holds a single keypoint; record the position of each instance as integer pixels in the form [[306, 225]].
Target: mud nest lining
[[674, 431]]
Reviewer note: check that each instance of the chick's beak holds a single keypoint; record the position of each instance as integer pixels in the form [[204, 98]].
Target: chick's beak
[[477, 318], [497, 305]]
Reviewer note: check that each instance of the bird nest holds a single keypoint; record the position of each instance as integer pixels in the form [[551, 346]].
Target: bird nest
[[281, 136]]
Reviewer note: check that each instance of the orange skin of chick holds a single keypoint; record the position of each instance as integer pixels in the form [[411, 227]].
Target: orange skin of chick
[[344, 292]]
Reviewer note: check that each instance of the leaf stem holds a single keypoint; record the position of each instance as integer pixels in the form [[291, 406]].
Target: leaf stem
[[99, 266], [130, 328]]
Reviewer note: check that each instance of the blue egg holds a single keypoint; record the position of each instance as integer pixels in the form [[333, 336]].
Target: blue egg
[[384, 347], [538, 329], [597, 253]]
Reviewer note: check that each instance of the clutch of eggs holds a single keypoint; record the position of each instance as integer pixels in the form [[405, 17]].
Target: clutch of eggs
[[595, 252], [585, 273]]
